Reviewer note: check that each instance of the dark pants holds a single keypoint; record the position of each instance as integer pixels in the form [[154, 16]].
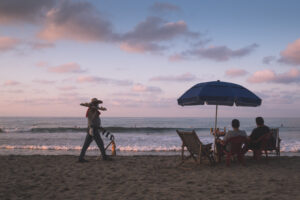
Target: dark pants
[[89, 139]]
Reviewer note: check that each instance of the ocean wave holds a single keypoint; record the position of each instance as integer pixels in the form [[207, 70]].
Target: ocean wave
[[113, 129], [91, 148], [126, 148], [57, 130]]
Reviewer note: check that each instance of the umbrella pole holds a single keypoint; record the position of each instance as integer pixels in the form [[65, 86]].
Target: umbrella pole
[[215, 134], [216, 120]]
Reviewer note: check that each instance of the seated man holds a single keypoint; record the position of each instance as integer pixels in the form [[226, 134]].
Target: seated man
[[259, 131], [235, 132]]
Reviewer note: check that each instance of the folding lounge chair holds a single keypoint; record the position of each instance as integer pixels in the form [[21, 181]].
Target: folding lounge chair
[[275, 141], [196, 148], [238, 147], [268, 142]]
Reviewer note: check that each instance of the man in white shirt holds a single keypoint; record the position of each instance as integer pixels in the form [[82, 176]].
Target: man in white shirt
[[235, 132]]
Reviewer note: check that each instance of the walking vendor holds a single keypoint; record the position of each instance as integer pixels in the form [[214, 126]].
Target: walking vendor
[[94, 123]]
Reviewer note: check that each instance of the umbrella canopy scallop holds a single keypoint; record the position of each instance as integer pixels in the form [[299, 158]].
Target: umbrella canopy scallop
[[219, 93]]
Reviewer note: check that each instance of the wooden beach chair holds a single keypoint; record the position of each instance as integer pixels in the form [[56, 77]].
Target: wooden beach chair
[[238, 147], [196, 148], [275, 141], [268, 142]]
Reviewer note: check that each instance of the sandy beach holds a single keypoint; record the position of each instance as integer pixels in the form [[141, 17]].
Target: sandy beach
[[146, 177]]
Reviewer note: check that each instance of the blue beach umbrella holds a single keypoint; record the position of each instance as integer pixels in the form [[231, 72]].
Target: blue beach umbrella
[[219, 93]]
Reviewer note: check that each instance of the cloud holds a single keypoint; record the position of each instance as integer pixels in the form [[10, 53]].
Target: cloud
[[142, 88], [67, 88], [221, 53], [125, 94], [46, 82], [176, 58], [40, 45], [146, 34], [279, 96], [66, 68], [11, 83], [291, 55], [164, 7], [95, 79], [235, 72], [138, 103], [63, 99], [268, 59], [180, 78], [81, 21], [267, 76], [20, 11], [18, 91], [77, 21], [8, 43], [155, 29], [141, 47], [42, 64]]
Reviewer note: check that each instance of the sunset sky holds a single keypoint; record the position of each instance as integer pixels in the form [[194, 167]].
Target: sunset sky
[[139, 57]]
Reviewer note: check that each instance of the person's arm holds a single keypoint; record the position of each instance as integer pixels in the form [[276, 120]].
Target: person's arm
[[252, 135], [226, 137], [245, 133], [268, 129], [102, 108]]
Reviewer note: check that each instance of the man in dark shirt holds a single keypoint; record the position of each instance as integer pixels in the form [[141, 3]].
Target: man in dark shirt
[[259, 131]]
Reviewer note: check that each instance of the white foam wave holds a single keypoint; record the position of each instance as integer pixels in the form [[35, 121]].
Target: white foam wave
[[291, 146], [135, 148], [68, 148]]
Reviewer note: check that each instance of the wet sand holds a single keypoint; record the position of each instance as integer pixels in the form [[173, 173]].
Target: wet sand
[[146, 177]]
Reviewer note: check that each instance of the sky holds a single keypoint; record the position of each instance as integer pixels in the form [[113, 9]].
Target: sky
[[139, 57]]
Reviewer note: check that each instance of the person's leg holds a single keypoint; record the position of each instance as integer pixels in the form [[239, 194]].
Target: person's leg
[[100, 144], [87, 142]]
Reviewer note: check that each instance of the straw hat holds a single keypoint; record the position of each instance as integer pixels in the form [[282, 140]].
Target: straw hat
[[95, 100]]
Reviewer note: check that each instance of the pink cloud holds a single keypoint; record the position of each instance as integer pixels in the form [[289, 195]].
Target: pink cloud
[[42, 64], [235, 72], [43, 81], [11, 83], [291, 55], [89, 79], [176, 58], [262, 76], [138, 103], [8, 43], [180, 78], [67, 88], [41, 45], [77, 21], [95, 79], [267, 75], [140, 47], [12, 91], [81, 21], [66, 68], [142, 88]]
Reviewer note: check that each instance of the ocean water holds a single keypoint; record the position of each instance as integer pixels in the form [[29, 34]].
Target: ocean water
[[65, 136]]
